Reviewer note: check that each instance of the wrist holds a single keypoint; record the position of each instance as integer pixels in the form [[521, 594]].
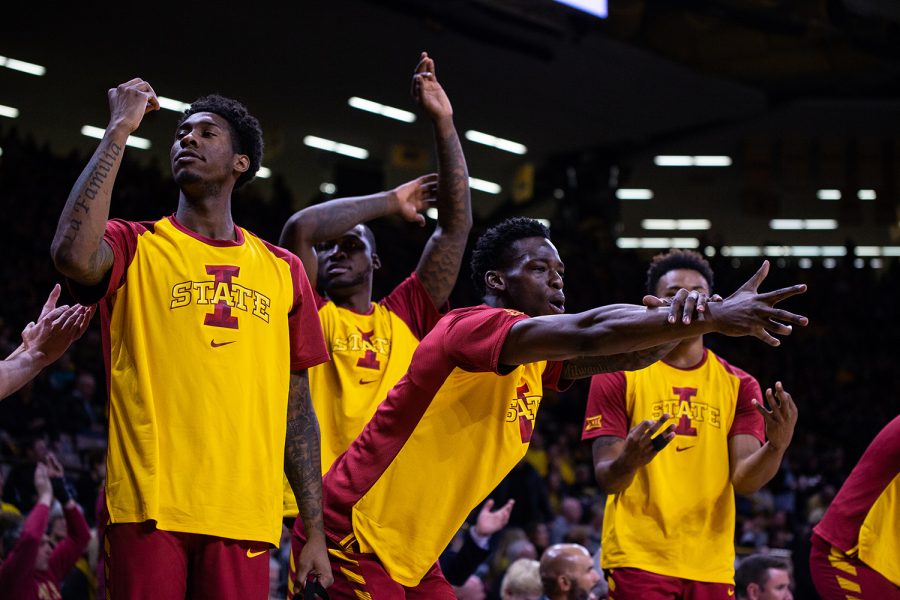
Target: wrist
[[481, 539], [443, 124], [118, 130]]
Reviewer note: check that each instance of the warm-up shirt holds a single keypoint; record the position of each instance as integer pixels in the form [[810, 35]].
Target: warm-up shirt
[[677, 517], [864, 518], [444, 437], [200, 337]]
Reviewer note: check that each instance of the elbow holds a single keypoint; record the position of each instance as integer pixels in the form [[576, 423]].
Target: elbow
[[64, 260], [743, 487]]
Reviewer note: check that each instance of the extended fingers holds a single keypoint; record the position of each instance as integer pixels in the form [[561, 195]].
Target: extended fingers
[[50, 304]]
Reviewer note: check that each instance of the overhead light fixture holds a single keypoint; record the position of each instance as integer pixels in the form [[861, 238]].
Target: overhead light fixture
[[866, 195], [264, 173], [331, 146], [631, 243], [598, 8], [327, 188], [484, 186], [676, 224], [798, 224], [8, 111], [173, 105], [677, 160], [21, 65], [634, 194], [133, 140], [544, 222], [496, 142], [381, 109], [828, 194], [431, 213]]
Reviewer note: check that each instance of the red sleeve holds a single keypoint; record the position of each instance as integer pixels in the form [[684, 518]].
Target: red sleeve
[[411, 302], [606, 412], [473, 338], [747, 420], [66, 553], [17, 570], [307, 341], [122, 237]]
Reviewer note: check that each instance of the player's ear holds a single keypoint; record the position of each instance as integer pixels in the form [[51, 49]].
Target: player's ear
[[241, 163], [494, 281], [563, 582], [376, 261]]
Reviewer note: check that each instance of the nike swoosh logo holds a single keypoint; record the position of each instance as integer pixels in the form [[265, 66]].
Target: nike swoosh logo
[[364, 382], [730, 591], [214, 344], [251, 553], [680, 449]]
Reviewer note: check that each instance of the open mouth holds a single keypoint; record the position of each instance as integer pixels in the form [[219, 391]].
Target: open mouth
[[558, 304]]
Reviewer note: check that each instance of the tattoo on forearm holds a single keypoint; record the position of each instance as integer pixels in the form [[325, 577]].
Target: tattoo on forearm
[[303, 465], [587, 366], [439, 272], [98, 176]]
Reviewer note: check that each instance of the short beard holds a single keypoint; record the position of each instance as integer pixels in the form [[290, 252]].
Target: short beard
[[332, 285], [195, 187]]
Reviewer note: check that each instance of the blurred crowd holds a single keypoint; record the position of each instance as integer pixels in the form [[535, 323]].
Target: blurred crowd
[[844, 383]]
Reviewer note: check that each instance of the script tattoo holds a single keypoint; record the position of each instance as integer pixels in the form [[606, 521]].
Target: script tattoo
[[303, 464], [102, 166], [586, 366]]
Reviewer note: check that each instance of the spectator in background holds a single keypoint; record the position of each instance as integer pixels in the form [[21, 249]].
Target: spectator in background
[[33, 566], [475, 548], [762, 577], [568, 573], [19, 489], [522, 581]]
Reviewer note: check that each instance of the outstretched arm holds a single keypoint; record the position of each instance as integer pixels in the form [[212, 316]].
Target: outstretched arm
[[303, 467], [439, 265], [43, 342], [328, 220], [752, 465], [78, 249], [626, 328], [587, 366]]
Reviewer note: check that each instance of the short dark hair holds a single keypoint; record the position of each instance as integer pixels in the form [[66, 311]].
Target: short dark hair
[[10, 531], [492, 250], [755, 569], [677, 259], [246, 131]]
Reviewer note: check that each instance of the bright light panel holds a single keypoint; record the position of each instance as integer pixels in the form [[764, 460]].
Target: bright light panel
[[264, 173], [431, 213], [8, 111], [798, 224], [676, 224], [133, 140], [327, 188], [598, 8], [331, 146], [484, 186], [634, 194], [381, 109], [173, 105], [487, 139], [21, 65], [828, 194], [656, 243], [678, 160], [866, 195]]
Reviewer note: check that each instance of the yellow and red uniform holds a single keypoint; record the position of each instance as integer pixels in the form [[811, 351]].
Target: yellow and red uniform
[[444, 437], [677, 517], [200, 337]]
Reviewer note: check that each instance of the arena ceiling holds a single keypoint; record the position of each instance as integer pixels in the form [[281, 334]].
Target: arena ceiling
[[801, 94]]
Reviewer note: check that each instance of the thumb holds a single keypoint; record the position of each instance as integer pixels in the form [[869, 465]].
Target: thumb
[[488, 504]]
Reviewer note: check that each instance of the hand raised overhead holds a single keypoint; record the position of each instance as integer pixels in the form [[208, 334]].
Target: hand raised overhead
[[427, 92], [129, 102]]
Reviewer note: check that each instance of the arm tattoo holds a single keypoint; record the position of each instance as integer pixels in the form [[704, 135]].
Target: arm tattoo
[[586, 366], [103, 164], [302, 462], [441, 260]]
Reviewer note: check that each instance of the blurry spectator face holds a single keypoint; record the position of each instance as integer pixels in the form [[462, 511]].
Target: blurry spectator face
[[37, 452], [57, 531], [584, 578], [540, 537], [472, 589], [42, 562], [778, 587], [86, 385], [571, 510]]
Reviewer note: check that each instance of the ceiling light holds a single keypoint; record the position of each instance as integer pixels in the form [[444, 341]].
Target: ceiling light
[[678, 160], [8, 111], [544, 222], [173, 105], [133, 140], [21, 65], [328, 188], [798, 224], [431, 213], [264, 173], [866, 195], [634, 194], [676, 224], [381, 109], [657, 243], [332, 146], [491, 140], [485, 186], [828, 194]]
